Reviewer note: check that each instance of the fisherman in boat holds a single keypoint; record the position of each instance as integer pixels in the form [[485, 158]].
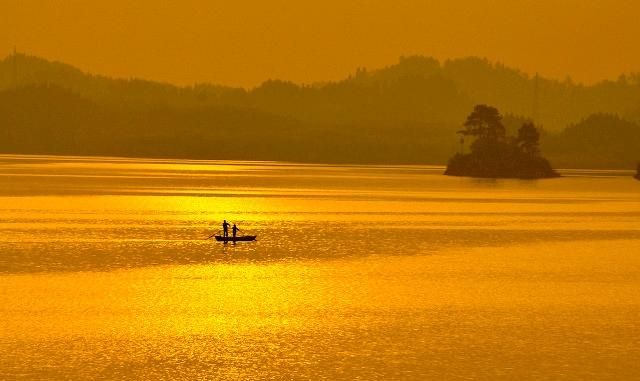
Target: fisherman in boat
[[225, 229], [235, 231]]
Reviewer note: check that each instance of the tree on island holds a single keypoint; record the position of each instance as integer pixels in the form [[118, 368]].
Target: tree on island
[[637, 176], [496, 155], [485, 123], [528, 139]]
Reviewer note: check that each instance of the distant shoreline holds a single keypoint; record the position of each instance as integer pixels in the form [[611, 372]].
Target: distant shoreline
[[564, 172]]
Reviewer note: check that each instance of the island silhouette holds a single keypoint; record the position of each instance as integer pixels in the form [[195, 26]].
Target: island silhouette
[[494, 154]]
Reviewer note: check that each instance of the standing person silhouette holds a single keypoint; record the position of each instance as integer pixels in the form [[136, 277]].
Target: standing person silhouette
[[225, 228], [235, 231]]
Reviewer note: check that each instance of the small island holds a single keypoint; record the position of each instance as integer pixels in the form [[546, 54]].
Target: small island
[[496, 155], [637, 176]]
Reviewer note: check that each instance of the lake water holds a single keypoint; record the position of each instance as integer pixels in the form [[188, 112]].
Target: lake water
[[359, 272]]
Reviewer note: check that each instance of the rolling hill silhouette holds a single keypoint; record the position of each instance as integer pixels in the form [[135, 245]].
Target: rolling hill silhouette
[[405, 113]]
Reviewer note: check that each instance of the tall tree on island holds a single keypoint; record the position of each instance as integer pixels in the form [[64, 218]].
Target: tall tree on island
[[484, 122]]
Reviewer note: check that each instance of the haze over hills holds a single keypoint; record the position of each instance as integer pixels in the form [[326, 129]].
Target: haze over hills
[[405, 113]]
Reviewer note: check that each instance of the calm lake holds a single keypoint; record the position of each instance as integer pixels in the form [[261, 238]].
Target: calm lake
[[359, 272]]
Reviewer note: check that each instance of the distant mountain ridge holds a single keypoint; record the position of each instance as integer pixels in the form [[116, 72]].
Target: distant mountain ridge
[[405, 113], [419, 89]]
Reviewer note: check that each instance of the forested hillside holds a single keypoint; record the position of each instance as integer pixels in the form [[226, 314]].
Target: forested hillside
[[405, 113]]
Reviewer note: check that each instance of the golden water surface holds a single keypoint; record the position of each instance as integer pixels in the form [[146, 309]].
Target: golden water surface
[[359, 272]]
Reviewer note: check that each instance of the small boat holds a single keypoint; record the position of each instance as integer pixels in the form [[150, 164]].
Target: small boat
[[246, 238]]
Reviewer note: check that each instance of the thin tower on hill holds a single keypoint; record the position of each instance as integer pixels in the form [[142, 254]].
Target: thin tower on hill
[[535, 112], [14, 78]]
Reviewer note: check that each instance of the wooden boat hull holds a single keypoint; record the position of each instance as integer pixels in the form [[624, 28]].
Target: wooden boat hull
[[246, 238]]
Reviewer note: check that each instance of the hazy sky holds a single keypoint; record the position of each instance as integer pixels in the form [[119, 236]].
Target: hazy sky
[[243, 42]]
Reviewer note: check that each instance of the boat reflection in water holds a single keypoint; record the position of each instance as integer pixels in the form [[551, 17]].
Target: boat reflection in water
[[246, 238]]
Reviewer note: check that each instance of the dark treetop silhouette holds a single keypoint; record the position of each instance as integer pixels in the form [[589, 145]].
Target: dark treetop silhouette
[[496, 155], [637, 176]]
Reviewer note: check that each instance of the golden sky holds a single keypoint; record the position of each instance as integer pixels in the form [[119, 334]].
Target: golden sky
[[243, 42]]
